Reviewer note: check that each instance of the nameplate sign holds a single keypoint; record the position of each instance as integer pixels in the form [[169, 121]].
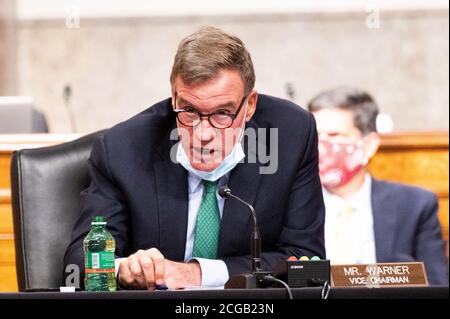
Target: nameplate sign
[[410, 274]]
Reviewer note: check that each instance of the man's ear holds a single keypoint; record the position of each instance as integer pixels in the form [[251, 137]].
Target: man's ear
[[371, 144], [251, 104]]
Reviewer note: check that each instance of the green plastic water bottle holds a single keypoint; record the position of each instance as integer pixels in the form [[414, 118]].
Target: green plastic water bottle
[[99, 248]]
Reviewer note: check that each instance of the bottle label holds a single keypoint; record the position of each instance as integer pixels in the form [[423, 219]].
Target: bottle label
[[102, 261]]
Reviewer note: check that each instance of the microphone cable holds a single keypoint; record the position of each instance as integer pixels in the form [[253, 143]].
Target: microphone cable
[[272, 279], [326, 288], [324, 293]]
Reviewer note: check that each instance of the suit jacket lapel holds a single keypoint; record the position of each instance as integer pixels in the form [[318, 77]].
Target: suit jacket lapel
[[172, 195], [383, 221], [236, 219]]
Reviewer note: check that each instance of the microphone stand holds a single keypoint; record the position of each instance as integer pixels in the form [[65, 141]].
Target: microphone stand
[[257, 278]]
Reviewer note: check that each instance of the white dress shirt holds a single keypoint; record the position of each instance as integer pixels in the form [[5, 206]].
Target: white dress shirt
[[360, 222]]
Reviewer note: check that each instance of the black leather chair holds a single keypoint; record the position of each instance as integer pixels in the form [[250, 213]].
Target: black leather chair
[[45, 187]]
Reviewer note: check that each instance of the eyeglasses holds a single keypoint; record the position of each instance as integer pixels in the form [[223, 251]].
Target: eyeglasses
[[220, 119]]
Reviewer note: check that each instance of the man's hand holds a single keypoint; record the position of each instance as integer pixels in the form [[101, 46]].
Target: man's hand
[[142, 270], [147, 268], [181, 275]]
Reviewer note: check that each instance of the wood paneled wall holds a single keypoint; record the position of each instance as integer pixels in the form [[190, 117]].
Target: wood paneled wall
[[417, 158]]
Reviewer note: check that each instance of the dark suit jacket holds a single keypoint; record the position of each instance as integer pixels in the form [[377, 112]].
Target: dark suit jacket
[[406, 228], [144, 195]]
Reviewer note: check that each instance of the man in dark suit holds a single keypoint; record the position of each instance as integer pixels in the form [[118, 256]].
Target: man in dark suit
[[155, 176], [367, 220]]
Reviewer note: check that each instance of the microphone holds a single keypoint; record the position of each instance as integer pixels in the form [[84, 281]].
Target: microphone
[[225, 192], [67, 95], [257, 277]]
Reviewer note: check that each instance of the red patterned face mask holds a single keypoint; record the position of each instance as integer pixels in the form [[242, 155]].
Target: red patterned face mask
[[339, 162]]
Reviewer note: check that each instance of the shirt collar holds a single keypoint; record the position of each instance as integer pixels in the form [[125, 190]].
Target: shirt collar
[[356, 200], [195, 182]]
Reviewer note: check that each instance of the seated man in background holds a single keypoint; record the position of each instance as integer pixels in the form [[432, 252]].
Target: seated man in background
[[368, 220], [155, 176]]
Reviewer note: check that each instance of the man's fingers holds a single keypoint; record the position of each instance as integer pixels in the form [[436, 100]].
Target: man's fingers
[[125, 275], [158, 264], [148, 269], [135, 271], [145, 269], [135, 266]]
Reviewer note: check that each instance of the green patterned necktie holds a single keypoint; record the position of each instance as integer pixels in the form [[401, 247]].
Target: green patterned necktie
[[208, 224]]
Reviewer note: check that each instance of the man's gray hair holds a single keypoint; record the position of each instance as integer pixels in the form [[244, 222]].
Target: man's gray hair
[[201, 55], [358, 102]]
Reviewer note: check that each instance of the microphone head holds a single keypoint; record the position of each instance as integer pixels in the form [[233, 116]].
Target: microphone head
[[224, 192]]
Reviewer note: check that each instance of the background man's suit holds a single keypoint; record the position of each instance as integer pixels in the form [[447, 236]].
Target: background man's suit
[[144, 195], [406, 228]]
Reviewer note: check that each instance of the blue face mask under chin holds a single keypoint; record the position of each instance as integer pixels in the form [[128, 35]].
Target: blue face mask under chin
[[229, 162]]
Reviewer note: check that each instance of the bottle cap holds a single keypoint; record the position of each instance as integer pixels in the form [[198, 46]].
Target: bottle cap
[[98, 220]]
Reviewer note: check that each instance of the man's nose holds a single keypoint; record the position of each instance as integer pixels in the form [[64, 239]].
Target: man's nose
[[205, 132]]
